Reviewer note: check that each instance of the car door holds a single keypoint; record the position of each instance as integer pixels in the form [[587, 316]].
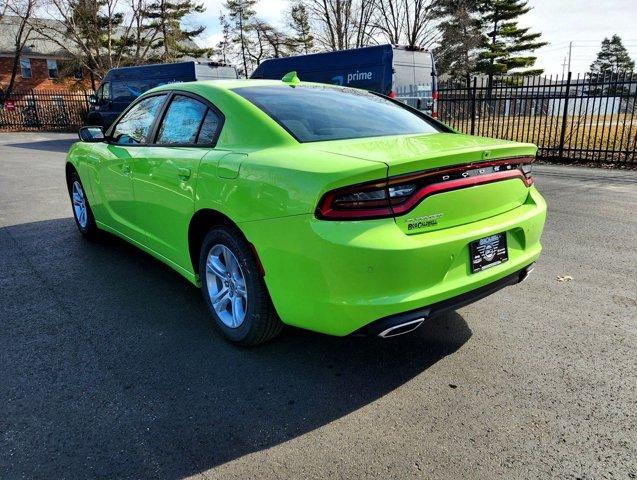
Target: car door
[[126, 143], [164, 178]]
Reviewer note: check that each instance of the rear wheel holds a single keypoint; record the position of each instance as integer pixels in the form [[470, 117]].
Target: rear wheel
[[82, 212], [234, 290]]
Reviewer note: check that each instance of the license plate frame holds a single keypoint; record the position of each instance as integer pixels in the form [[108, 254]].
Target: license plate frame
[[488, 252]]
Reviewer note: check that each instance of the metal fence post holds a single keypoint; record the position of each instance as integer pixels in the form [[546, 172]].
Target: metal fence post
[[564, 115], [35, 109], [473, 106]]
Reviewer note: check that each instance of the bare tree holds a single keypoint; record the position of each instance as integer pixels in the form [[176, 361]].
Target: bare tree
[[364, 25], [23, 10], [408, 22], [95, 32], [4, 6], [389, 20], [420, 24], [142, 37], [335, 20], [275, 40]]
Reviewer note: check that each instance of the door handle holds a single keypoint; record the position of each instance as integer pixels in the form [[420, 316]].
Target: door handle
[[184, 173]]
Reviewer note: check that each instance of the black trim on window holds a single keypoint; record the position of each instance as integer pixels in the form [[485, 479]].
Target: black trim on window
[[200, 99], [431, 121], [151, 132], [154, 129]]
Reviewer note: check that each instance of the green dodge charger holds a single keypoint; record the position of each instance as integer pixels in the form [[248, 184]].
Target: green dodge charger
[[327, 208]]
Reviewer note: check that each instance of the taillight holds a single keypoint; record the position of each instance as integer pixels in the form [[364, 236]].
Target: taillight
[[398, 195], [527, 170], [392, 94]]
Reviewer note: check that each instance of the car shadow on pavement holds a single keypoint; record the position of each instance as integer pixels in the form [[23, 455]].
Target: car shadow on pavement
[[54, 145], [111, 367]]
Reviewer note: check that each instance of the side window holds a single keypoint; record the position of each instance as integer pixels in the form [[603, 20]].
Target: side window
[[209, 127], [134, 127], [182, 121], [52, 67], [25, 67], [105, 94]]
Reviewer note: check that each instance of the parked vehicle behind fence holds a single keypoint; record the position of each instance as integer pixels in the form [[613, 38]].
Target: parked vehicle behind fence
[[407, 74], [121, 86]]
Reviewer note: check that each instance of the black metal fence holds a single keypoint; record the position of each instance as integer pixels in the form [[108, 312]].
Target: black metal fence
[[30, 110], [570, 118]]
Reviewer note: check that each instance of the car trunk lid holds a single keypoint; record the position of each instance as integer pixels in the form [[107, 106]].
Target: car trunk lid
[[456, 178]]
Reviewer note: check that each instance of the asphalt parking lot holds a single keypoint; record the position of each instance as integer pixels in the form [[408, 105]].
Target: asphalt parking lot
[[110, 368]]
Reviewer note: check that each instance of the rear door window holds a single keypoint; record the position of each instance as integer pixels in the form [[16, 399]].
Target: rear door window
[[188, 121], [209, 128], [182, 121]]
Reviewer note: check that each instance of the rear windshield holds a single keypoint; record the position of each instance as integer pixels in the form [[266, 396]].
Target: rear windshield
[[315, 113]]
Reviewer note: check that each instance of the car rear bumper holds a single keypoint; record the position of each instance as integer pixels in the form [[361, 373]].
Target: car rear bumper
[[406, 322], [338, 277]]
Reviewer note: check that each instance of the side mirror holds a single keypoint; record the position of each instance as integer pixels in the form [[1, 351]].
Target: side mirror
[[93, 100], [91, 134]]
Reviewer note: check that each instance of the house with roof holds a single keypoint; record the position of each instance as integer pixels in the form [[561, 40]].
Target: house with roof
[[43, 65]]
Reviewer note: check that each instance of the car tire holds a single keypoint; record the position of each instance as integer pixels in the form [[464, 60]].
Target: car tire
[[234, 290], [82, 213]]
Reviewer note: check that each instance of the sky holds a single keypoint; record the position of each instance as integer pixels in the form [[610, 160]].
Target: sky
[[584, 22]]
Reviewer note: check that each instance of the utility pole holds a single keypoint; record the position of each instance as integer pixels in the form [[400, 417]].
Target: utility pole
[[570, 50], [564, 66]]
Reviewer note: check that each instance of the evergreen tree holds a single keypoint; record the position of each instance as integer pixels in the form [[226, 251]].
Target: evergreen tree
[[173, 41], [92, 24], [241, 13], [506, 45], [612, 59], [224, 47], [302, 39], [461, 37]]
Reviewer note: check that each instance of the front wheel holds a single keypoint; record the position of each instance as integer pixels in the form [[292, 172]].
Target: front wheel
[[82, 212], [234, 290]]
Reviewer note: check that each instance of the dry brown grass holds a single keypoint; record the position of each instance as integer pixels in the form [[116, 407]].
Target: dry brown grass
[[613, 137]]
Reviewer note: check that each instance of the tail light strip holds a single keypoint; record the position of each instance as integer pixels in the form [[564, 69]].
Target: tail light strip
[[398, 195]]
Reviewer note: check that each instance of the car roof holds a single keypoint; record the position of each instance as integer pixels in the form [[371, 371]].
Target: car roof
[[230, 84]]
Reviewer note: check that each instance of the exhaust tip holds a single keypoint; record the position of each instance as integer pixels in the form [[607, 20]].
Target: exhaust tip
[[401, 328], [526, 272]]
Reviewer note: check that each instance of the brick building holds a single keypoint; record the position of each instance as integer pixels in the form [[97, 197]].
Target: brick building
[[43, 65]]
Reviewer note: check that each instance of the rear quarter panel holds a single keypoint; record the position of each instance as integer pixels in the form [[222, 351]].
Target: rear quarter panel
[[276, 182]]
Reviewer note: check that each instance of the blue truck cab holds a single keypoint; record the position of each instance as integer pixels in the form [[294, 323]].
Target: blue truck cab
[[120, 86], [407, 74]]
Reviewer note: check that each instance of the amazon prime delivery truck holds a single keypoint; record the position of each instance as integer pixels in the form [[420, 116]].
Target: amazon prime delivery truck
[[407, 74], [120, 86]]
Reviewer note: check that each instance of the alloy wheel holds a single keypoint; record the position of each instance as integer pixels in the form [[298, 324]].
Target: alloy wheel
[[226, 286], [79, 204]]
